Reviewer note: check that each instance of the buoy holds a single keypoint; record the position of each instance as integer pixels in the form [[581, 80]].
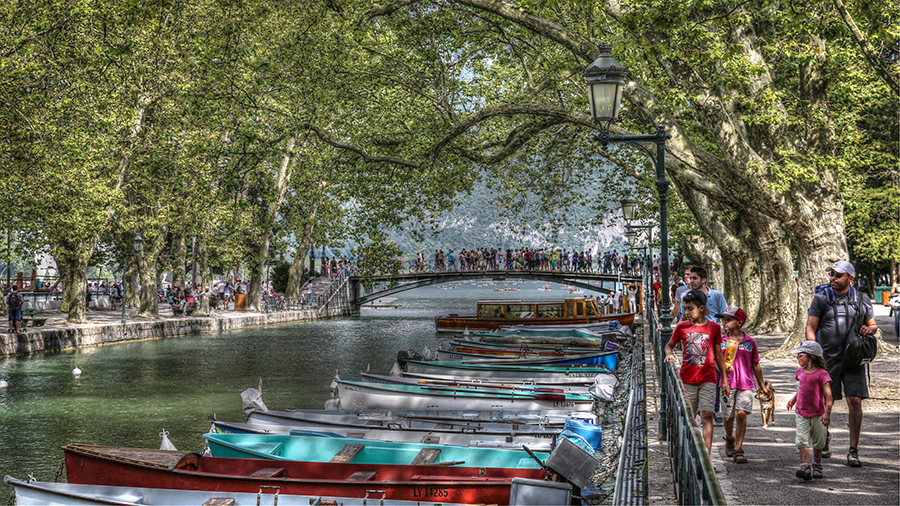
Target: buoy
[[3, 384], [76, 371]]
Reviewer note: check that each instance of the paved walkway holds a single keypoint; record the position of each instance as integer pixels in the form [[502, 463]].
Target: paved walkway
[[768, 477]]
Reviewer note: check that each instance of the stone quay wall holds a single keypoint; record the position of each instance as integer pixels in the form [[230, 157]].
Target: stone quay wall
[[77, 336]]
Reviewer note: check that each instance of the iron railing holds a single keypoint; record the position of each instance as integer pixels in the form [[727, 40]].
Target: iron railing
[[631, 475]]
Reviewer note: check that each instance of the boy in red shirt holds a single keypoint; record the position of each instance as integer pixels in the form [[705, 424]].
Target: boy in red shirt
[[701, 340]]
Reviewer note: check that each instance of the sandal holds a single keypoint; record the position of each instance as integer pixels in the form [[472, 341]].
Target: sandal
[[729, 446], [739, 456]]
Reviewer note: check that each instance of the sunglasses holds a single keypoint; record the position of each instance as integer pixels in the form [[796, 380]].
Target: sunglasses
[[835, 275]]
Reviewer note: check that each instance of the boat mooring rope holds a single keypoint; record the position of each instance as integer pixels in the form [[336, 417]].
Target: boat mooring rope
[[12, 499]]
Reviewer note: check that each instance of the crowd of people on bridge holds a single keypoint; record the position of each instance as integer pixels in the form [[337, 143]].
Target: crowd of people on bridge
[[541, 259]]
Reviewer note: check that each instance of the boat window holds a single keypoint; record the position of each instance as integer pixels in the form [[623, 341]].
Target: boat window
[[520, 311], [579, 307], [549, 310], [490, 311], [591, 308], [570, 308]]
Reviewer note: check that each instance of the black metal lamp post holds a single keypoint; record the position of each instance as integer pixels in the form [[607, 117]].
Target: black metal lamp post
[[606, 79], [138, 248]]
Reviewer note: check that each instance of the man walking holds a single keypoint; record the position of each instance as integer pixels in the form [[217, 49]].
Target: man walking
[[831, 315]]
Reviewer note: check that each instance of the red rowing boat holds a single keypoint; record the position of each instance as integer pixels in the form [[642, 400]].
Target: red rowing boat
[[139, 467]]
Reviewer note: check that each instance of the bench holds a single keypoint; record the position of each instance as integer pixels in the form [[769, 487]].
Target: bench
[[30, 315], [185, 310]]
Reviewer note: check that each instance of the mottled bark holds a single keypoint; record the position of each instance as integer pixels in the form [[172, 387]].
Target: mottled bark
[[149, 303], [179, 251], [295, 273], [72, 266], [132, 280], [203, 257], [778, 304]]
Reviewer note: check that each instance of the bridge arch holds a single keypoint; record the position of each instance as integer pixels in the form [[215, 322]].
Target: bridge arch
[[389, 285]]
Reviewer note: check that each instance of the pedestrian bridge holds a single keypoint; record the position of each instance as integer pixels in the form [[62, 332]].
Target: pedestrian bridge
[[391, 284]]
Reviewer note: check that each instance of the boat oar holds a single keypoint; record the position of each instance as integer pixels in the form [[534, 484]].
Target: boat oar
[[536, 459], [449, 463]]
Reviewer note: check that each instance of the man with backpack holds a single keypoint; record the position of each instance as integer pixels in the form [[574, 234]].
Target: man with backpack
[[14, 302], [837, 313]]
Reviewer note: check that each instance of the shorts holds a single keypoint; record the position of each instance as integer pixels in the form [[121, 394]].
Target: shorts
[[740, 400], [850, 382], [222, 296], [15, 315], [702, 397], [810, 432]]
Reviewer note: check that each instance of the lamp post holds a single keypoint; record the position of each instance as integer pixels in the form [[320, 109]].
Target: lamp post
[[605, 79], [138, 247]]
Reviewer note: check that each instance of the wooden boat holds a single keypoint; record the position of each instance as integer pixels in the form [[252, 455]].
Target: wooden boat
[[361, 395], [46, 493], [537, 440], [437, 420], [551, 374], [453, 382], [140, 467], [299, 445], [492, 313]]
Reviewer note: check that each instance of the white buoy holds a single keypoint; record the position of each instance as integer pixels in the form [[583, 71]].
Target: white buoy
[[76, 371], [3, 384]]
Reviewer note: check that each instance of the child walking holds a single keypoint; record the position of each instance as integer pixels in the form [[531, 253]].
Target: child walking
[[741, 366], [813, 400], [701, 341]]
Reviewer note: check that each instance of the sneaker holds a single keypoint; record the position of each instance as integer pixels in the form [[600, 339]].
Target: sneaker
[[826, 453], [804, 472], [718, 420], [853, 458], [817, 470], [729, 447]]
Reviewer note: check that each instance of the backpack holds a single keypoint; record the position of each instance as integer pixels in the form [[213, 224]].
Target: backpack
[[14, 301], [860, 348]]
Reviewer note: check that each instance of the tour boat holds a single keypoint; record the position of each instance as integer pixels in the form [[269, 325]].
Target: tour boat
[[178, 470], [362, 395], [318, 447], [493, 313]]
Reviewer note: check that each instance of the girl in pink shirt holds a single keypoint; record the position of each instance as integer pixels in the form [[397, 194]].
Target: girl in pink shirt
[[813, 403]]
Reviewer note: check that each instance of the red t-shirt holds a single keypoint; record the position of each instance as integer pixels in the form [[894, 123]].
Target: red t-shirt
[[699, 361]]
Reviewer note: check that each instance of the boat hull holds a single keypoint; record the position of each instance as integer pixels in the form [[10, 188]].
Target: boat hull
[[43, 493], [501, 373], [362, 451], [464, 420], [455, 323], [135, 467], [536, 440], [359, 395]]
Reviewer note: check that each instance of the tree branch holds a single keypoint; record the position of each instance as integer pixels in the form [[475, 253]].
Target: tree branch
[[866, 50]]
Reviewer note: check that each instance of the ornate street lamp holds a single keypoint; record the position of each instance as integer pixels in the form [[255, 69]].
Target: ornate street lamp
[[606, 79], [138, 244]]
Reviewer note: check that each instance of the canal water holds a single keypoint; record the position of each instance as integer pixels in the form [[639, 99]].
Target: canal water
[[130, 392]]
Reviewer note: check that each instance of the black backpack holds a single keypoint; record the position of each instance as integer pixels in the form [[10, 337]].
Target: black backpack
[[14, 301], [860, 348]]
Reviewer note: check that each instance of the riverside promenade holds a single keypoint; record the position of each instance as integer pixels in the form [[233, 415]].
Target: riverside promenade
[[768, 477], [105, 326]]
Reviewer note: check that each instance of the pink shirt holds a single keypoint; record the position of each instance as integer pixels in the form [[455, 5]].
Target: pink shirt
[[810, 396], [741, 376]]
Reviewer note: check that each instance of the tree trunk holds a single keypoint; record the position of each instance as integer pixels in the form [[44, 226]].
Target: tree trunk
[[73, 272], [705, 253], [149, 303], [178, 267], [131, 284], [778, 304], [205, 275], [295, 273], [257, 265]]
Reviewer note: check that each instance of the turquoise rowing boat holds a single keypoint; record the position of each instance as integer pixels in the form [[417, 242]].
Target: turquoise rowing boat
[[311, 448]]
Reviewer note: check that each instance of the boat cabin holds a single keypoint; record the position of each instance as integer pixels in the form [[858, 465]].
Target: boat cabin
[[581, 307]]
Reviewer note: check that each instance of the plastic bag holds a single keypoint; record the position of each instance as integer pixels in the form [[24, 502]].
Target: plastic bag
[[604, 387], [251, 399]]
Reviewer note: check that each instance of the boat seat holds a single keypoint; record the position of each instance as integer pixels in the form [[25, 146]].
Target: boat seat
[[362, 476], [426, 456], [347, 453], [268, 472], [219, 501]]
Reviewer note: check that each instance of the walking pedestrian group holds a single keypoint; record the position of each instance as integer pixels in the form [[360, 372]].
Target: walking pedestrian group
[[720, 365]]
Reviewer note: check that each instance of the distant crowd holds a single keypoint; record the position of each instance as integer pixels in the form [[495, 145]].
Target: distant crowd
[[543, 259]]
